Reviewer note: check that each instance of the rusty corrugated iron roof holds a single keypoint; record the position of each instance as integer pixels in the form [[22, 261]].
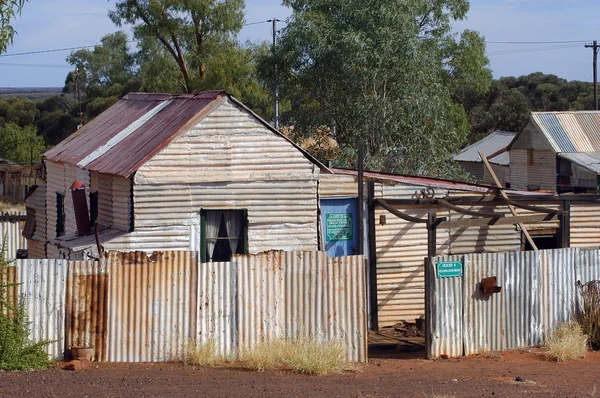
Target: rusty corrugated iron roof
[[570, 131], [125, 136]]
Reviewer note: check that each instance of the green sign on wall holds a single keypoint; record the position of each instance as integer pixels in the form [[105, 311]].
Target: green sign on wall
[[338, 226], [449, 269]]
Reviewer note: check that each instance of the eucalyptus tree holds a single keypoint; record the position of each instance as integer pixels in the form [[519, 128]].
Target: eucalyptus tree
[[388, 72], [8, 11]]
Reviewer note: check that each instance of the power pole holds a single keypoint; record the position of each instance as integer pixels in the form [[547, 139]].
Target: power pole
[[594, 47], [276, 83]]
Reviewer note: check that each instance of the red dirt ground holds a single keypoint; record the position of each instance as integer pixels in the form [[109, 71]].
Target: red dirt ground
[[390, 375]]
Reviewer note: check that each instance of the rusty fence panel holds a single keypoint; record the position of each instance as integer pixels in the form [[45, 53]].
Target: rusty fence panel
[[217, 306], [443, 310], [152, 306], [41, 288], [11, 225], [87, 306], [295, 295]]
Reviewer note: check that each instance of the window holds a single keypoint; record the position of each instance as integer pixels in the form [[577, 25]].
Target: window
[[223, 233], [93, 207], [60, 214]]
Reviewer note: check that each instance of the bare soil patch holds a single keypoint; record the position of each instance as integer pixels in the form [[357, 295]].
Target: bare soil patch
[[508, 374]]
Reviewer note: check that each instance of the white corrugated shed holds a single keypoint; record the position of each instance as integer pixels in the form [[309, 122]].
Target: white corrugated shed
[[227, 161]]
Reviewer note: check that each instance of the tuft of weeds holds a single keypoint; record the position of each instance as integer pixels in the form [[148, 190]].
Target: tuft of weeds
[[307, 356], [568, 342], [17, 351], [202, 354]]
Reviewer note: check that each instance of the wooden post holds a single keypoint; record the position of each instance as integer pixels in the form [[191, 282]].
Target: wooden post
[[361, 198], [565, 225], [431, 233], [372, 259], [504, 195]]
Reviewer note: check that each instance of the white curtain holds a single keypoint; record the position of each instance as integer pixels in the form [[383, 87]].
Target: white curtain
[[213, 221], [233, 222]]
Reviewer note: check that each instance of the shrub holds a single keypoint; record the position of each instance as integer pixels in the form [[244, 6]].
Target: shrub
[[588, 312], [202, 354], [568, 342], [17, 351]]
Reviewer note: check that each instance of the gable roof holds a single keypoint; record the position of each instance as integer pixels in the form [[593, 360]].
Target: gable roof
[[128, 134], [493, 143], [570, 131]]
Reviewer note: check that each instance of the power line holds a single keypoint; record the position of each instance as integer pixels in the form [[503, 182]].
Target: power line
[[36, 65], [537, 42], [94, 45], [531, 50]]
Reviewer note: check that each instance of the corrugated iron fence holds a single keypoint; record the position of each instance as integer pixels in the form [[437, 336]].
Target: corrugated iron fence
[[11, 225], [538, 292], [132, 307]]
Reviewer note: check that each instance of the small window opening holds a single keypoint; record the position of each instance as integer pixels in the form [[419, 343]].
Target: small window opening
[[93, 208], [224, 232]]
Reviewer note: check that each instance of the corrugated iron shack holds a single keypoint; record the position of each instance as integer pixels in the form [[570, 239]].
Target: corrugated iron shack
[[494, 147], [468, 218], [557, 151], [176, 172]]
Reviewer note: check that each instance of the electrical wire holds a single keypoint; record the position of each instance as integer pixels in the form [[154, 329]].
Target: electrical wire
[[538, 42], [36, 65], [531, 50]]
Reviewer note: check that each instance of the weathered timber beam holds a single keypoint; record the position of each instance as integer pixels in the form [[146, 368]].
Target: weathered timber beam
[[399, 214], [482, 222], [538, 209], [459, 209], [510, 207]]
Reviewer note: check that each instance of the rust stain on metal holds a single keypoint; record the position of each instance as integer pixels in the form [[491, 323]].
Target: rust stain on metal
[[87, 303], [10, 278], [126, 155]]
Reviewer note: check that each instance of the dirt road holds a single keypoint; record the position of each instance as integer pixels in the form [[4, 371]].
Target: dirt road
[[401, 375]]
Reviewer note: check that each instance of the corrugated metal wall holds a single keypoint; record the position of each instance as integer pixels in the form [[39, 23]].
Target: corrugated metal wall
[[585, 228], [87, 307], [59, 178], [151, 314], [401, 247], [227, 161], [444, 313], [42, 286], [538, 292], [302, 295], [131, 307], [217, 306], [543, 170], [10, 233]]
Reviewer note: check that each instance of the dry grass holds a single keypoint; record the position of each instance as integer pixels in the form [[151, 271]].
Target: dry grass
[[302, 356], [568, 342], [8, 205], [202, 354]]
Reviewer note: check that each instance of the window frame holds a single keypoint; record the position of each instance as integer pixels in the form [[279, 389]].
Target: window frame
[[93, 208], [203, 257]]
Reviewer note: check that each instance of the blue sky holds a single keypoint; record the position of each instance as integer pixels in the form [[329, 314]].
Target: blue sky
[[50, 24]]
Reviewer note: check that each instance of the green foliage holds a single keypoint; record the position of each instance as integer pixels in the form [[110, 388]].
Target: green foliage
[[21, 144], [510, 100], [190, 34], [8, 11], [17, 351], [386, 72]]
